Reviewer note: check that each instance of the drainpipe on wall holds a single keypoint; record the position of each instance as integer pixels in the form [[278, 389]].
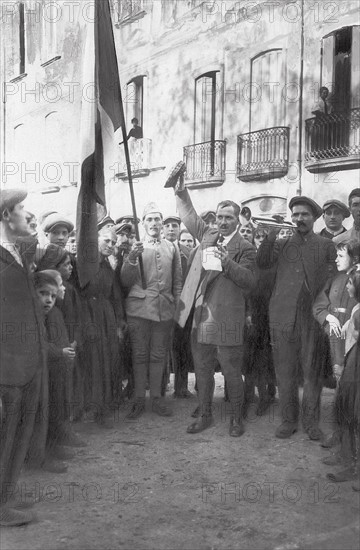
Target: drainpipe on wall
[[301, 83], [3, 100]]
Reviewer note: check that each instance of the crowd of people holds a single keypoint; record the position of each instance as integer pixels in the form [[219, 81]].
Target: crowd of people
[[273, 307]]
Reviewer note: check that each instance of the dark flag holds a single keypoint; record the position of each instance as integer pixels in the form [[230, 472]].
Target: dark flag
[[101, 116]]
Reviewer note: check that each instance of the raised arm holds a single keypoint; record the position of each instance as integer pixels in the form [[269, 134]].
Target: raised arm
[[189, 216]]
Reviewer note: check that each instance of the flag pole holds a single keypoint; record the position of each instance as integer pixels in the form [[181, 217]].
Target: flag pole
[[131, 187]]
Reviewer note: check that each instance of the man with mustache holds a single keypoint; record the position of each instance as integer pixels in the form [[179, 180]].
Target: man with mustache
[[219, 294], [303, 264]]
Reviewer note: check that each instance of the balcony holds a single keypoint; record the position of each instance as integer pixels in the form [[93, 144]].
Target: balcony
[[333, 142], [263, 154], [205, 164], [140, 158]]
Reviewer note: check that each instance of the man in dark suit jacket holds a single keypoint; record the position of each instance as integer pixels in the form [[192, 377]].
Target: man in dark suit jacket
[[303, 264], [219, 296], [22, 354]]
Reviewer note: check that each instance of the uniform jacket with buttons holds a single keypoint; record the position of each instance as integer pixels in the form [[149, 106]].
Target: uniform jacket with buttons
[[219, 296], [22, 350], [163, 276], [300, 262]]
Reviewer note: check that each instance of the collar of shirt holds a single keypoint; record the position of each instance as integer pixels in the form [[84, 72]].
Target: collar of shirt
[[150, 240], [228, 238], [334, 233], [12, 248]]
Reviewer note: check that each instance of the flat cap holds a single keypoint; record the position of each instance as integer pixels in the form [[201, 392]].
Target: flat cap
[[128, 218], [178, 170], [354, 193], [340, 205], [123, 228], [105, 221], [151, 208], [54, 219], [10, 197], [169, 218], [301, 199], [208, 214]]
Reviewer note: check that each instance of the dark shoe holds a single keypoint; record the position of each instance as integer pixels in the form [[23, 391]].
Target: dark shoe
[[54, 466], [160, 408], [61, 453], [10, 517], [350, 474], [330, 440], [236, 429], [314, 433], [137, 410], [285, 430], [71, 439], [196, 412], [200, 425]]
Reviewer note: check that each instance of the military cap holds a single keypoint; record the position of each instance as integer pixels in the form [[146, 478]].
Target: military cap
[[54, 219], [208, 214], [340, 205], [10, 197], [129, 218], [105, 221], [172, 218], [151, 208], [123, 228], [300, 199]]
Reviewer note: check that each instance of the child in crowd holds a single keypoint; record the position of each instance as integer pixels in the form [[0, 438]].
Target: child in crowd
[[56, 394], [347, 405]]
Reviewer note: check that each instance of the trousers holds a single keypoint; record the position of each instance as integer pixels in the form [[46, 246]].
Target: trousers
[[150, 341], [230, 359]]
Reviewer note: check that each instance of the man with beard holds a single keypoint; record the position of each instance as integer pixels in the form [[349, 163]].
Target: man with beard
[[303, 264]]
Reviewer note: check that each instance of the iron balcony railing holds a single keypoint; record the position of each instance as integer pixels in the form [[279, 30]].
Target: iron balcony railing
[[205, 162], [140, 157], [332, 137], [263, 154]]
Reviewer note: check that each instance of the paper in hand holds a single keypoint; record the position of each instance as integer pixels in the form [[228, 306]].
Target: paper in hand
[[209, 261]]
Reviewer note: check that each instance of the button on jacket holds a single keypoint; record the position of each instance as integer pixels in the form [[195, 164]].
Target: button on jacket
[[163, 276]]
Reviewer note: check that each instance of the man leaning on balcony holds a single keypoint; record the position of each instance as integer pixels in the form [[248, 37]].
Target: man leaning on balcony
[[352, 234], [219, 294]]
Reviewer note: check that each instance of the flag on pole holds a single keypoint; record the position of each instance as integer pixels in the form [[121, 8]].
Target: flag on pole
[[101, 117]]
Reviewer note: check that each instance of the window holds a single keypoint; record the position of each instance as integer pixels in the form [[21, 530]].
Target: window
[[205, 107], [50, 20], [135, 100], [340, 62], [128, 9], [267, 108], [21, 38]]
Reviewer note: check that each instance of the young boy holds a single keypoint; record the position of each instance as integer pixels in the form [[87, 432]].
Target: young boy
[[60, 355]]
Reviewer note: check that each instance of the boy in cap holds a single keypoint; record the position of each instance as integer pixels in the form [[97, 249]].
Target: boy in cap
[[57, 228], [303, 263], [22, 354], [150, 311], [352, 234], [334, 213]]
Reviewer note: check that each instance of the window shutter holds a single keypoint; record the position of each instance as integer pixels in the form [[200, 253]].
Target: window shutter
[[355, 67], [327, 62]]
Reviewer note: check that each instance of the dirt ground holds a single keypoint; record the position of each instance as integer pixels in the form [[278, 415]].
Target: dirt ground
[[147, 484]]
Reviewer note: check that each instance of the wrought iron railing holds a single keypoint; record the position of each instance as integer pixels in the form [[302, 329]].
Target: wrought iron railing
[[140, 157], [331, 136], [205, 162], [263, 154]]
